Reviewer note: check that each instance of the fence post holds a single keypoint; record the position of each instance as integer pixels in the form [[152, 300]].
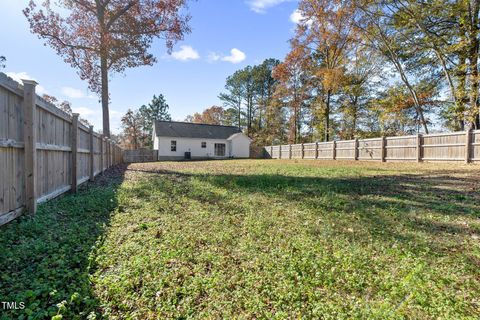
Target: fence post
[[107, 153], [271, 152], [30, 138], [101, 153], [419, 147], [316, 150], [468, 141], [382, 154], [334, 150], [289, 151], [356, 148], [280, 151], [74, 146], [303, 151], [92, 156], [110, 145]]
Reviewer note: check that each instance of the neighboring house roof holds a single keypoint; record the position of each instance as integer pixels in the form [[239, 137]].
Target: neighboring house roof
[[235, 135], [193, 130]]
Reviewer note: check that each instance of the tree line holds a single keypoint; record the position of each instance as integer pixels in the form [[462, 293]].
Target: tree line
[[355, 68], [361, 69], [137, 125]]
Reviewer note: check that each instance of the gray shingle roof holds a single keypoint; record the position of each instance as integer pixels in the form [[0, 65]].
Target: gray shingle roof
[[193, 130]]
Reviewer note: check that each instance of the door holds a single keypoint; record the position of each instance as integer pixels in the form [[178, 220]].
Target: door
[[219, 149]]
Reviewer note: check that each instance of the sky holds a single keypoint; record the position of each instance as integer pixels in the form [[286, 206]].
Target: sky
[[227, 35]]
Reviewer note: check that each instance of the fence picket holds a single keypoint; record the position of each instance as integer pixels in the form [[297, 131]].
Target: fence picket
[[451, 146], [45, 151]]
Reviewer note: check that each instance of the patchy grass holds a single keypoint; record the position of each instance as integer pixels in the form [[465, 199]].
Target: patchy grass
[[44, 259], [261, 239], [278, 239]]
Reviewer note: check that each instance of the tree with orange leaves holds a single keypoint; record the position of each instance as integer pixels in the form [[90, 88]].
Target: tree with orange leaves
[[292, 88], [98, 37], [326, 31], [213, 115]]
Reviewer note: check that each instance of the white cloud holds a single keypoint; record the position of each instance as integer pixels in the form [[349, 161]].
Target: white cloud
[[72, 93], [86, 112], [19, 76], [115, 114], [296, 16], [115, 120], [92, 114], [236, 56], [212, 56], [260, 6], [185, 53]]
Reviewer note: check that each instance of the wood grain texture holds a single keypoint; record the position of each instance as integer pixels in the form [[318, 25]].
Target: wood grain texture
[[36, 150], [452, 146], [132, 156]]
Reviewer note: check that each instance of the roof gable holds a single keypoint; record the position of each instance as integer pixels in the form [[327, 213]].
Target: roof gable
[[193, 130]]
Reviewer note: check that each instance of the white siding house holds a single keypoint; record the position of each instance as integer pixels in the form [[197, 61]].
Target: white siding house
[[181, 140]]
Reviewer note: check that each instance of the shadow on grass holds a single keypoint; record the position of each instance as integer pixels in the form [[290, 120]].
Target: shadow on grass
[[46, 259], [391, 208]]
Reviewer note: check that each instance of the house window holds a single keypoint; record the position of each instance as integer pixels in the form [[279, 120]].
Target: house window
[[204, 144], [173, 145], [220, 149]]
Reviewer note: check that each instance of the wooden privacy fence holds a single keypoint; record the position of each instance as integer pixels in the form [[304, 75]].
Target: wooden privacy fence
[[140, 155], [44, 152], [454, 146]]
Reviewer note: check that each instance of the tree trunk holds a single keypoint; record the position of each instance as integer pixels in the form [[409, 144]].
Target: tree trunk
[[295, 119], [393, 57], [461, 74], [355, 117], [249, 116], [239, 107], [412, 91], [453, 92], [418, 107], [105, 97], [474, 89], [327, 117], [473, 58], [441, 58], [474, 62]]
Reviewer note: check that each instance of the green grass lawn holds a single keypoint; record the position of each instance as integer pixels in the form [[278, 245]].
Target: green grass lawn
[[270, 239]]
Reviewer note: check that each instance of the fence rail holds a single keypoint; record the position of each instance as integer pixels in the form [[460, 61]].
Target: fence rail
[[140, 155], [453, 146], [44, 152]]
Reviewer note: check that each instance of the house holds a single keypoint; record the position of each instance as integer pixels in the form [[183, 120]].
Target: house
[[185, 140]]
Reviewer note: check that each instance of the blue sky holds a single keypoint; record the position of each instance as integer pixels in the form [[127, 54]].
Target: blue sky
[[226, 35]]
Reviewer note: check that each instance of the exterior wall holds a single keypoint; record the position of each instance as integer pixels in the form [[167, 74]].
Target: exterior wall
[[155, 142], [240, 146], [192, 145]]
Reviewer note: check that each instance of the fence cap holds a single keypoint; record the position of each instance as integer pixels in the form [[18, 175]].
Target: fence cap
[[29, 82]]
